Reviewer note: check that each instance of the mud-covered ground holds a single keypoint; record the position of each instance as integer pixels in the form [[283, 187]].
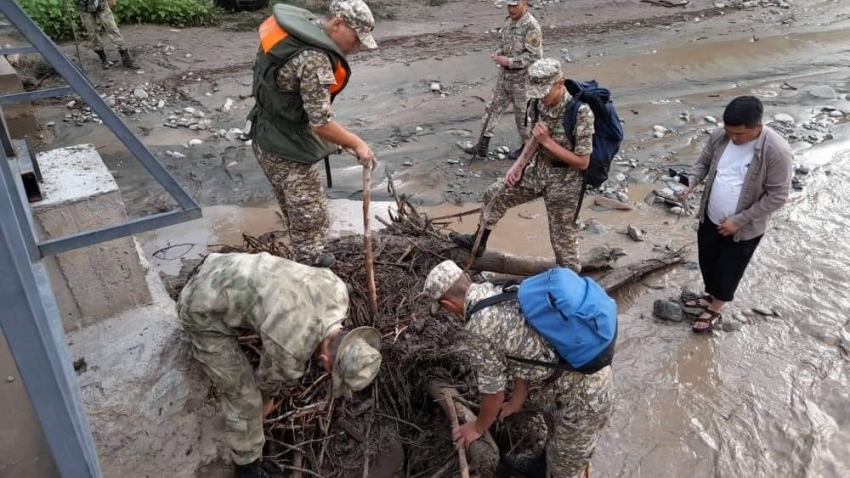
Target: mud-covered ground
[[769, 397]]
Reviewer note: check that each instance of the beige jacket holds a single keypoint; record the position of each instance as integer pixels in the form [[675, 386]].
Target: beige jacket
[[766, 185]]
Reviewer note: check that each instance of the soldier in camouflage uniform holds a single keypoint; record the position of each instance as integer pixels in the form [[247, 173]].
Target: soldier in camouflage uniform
[[521, 45], [576, 406], [297, 311], [92, 11], [300, 69], [556, 171]]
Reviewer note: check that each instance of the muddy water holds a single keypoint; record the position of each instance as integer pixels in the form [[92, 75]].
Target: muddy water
[[771, 399]]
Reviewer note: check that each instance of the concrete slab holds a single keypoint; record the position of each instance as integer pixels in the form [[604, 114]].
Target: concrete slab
[[147, 400], [20, 117], [102, 280]]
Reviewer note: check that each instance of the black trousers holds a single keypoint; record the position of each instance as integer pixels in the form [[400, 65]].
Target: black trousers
[[722, 261]]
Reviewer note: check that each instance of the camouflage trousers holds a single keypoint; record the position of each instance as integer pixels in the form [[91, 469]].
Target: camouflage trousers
[[510, 90], [560, 189], [576, 409], [299, 192], [215, 346], [104, 14]]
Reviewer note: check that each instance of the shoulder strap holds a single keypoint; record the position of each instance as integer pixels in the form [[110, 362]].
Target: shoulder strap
[[493, 300], [563, 366], [571, 118]]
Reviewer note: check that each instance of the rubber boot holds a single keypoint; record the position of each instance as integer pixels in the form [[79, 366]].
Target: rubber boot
[[481, 149], [466, 241], [516, 154], [325, 260], [127, 60], [528, 466], [253, 470], [104, 63]]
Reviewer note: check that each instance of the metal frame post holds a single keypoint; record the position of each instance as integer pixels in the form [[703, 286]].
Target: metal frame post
[[32, 326]]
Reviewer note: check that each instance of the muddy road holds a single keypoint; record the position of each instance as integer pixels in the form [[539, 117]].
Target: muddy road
[[766, 397]]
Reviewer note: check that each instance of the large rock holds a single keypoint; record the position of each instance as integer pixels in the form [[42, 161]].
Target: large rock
[[146, 398], [823, 91], [666, 310]]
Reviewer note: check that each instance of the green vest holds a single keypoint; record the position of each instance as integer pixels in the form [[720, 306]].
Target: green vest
[[279, 123]]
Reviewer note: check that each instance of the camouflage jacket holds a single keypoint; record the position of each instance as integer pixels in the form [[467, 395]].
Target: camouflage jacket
[[311, 73], [521, 42], [554, 118], [495, 332], [291, 306]]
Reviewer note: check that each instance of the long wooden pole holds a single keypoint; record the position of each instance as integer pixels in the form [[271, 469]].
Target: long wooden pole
[[461, 451], [367, 242]]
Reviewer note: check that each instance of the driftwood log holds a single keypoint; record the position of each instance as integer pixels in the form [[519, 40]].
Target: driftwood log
[[484, 453]]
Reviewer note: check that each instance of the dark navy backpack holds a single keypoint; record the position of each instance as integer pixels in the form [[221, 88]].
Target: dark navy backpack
[[608, 133], [574, 314]]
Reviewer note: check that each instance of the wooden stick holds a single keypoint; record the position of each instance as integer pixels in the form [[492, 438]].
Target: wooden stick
[[367, 242], [461, 451]]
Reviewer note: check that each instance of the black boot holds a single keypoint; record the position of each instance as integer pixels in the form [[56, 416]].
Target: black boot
[[104, 63], [325, 260], [528, 466], [516, 154], [127, 60], [466, 241], [252, 470], [481, 149]]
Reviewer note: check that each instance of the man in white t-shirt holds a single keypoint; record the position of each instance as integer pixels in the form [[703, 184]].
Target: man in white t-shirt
[[747, 172]]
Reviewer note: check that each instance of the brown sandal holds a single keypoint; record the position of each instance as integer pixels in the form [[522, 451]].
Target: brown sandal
[[695, 303], [712, 320]]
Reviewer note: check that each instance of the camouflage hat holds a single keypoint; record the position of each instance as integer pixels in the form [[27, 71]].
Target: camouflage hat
[[513, 3], [542, 74], [358, 16], [441, 279], [358, 361]]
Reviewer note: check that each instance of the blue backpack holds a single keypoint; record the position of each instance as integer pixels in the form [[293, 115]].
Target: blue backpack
[[574, 314], [608, 134]]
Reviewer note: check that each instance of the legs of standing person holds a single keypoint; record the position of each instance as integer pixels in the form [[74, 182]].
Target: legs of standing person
[[582, 410], [89, 21], [107, 19], [722, 263], [299, 192], [504, 198], [496, 107], [241, 400], [519, 100], [561, 196]]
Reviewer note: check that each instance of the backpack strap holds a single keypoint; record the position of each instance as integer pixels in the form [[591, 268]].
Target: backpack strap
[[570, 120], [492, 300]]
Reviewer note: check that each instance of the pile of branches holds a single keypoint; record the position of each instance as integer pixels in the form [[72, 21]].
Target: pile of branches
[[310, 434]]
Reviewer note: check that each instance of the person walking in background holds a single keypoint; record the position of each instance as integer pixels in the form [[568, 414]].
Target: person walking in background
[[521, 45], [747, 169], [92, 11]]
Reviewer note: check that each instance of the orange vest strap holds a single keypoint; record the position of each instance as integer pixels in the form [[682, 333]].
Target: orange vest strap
[[271, 33], [340, 78]]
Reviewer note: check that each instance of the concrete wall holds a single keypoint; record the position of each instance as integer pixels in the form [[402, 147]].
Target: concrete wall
[[19, 117], [23, 449], [98, 281]]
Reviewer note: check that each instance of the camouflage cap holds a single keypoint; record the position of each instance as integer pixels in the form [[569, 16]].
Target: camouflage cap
[[512, 3], [358, 361], [542, 74], [441, 279], [358, 16]]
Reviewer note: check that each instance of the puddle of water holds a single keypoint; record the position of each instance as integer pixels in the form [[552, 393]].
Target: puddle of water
[[166, 247]]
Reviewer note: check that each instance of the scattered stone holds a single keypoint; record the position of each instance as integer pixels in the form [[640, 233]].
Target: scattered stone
[[666, 310], [175, 155], [620, 177], [710, 119], [466, 144], [189, 110], [51, 124], [436, 87], [623, 197], [249, 142], [802, 169], [730, 326], [763, 312], [228, 105], [141, 93], [231, 164], [419, 129], [612, 203], [783, 118], [233, 133], [823, 91], [677, 210], [453, 161], [836, 114], [199, 114], [501, 156], [594, 227], [505, 149], [195, 142], [635, 233]]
